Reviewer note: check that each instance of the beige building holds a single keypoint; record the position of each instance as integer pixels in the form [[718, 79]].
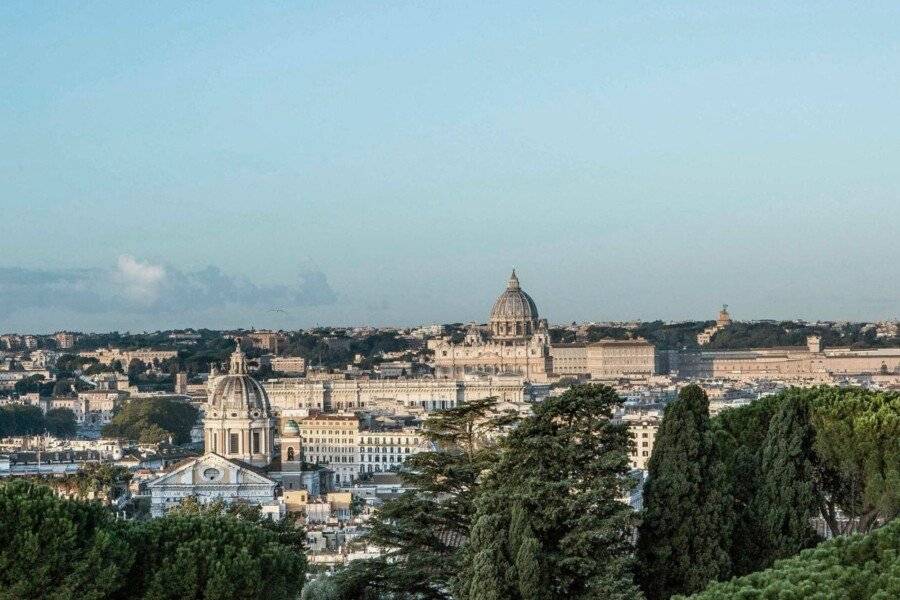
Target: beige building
[[813, 362], [516, 342], [331, 440], [64, 339], [722, 321], [238, 423], [643, 431], [388, 449], [96, 407], [569, 359], [288, 364], [621, 359], [106, 356], [606, 359], [209, 478], [263, 339], [359, 394], [239, 440]]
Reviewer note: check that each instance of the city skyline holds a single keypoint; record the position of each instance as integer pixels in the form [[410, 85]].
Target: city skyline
[[390, 165], [161, 294]]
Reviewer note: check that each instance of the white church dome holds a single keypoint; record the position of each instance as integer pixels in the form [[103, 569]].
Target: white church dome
[[238, 391]]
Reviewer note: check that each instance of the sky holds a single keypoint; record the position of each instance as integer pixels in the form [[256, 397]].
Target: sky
[[201, 164]]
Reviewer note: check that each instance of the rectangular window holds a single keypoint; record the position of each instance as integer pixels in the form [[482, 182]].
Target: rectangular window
[[255, 442], [233, 443]]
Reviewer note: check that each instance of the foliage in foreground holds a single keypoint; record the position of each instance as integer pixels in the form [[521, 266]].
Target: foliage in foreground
[[537, 515], [54, 548], [857, 567], [683, 537], [422, 530], [550, 520], [827, 453]]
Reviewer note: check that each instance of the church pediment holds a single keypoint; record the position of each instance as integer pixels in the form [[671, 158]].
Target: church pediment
[[212, 469]]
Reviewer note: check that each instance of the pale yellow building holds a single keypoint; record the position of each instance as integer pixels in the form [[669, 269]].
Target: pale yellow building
[[331, 440], [423, 395], [606, 359], [812, 362], [643, 429]]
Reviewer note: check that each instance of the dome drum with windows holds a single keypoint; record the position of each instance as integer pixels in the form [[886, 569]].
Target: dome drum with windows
[[514, 315], [238, 423]]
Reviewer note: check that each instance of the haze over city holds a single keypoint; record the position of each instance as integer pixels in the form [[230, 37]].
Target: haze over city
[[171, 167]]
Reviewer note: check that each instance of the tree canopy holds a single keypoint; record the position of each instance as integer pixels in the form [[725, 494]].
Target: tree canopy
[[550, 520], [421, 531], [847, 567], [55, 548], [684, 532], [153, 420]]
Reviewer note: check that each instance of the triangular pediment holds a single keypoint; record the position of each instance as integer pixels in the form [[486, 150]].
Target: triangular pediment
[[212, 469]]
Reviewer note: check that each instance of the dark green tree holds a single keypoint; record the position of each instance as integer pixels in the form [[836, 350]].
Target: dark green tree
[[739, 436], [422, 530], [855, 567], [60, 422], [21, 419], [550, 521], [29, 384], [58, 549], [153, 420], [789, 497], [683, 537], [858, 448]]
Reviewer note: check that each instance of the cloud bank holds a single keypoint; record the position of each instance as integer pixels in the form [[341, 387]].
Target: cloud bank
[[134, 287]]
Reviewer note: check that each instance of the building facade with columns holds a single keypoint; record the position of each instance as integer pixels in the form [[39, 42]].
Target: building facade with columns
[[516, 341], [424, 395], [239, 444]]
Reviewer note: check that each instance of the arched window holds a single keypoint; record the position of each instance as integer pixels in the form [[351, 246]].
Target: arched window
[[290, 454]]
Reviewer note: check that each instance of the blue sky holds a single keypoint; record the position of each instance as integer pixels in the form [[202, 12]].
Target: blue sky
[[389, 163]]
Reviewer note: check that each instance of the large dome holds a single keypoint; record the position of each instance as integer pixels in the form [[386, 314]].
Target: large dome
[[238, 391], [514, 303], [514, 313]]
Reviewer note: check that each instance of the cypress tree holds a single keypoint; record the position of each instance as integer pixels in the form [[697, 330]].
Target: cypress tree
[[682, 541], [788, 499]]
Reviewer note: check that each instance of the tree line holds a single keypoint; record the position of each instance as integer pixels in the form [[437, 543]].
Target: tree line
[[59, 549], [25, 419], [153, 420]]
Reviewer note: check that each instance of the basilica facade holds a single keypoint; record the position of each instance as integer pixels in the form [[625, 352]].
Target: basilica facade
[[239, 444], [516, 341]]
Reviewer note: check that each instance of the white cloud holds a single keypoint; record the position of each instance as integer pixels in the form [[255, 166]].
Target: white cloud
[[141, 281]]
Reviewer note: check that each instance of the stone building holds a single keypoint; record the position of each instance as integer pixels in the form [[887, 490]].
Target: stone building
[[239, 439], [722, 321], [813, 362], [516, 341], [331, 440], [387, 449], [209, 478], [605, 359], [421, 394], [64, 340]]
